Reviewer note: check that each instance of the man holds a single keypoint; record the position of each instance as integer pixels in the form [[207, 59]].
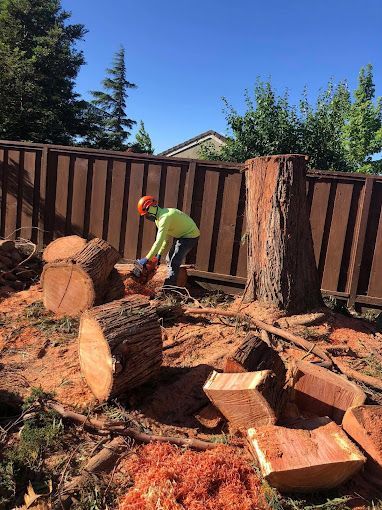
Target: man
[[170, 223]]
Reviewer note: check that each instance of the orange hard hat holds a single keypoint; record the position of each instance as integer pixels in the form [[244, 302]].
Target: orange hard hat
[[146, 202]]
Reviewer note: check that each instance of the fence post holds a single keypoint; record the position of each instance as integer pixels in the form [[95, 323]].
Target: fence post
[[359, 240]]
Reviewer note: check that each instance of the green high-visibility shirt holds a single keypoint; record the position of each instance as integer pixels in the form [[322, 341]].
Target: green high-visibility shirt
[[172, 223]]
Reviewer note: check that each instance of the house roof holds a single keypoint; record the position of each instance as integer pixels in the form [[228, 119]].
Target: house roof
[[193, 141]]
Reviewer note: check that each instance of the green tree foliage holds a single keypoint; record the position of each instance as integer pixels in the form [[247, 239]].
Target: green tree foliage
[[39, 63], [337, 133], [113, 124], [363, 131], [142, 142]]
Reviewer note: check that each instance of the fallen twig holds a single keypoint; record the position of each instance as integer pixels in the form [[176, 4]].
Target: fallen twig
[[109, 427], [358, 376], [301, 342]]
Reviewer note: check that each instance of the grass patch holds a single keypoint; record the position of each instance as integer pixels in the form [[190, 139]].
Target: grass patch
[[372, 367], [47, 323]]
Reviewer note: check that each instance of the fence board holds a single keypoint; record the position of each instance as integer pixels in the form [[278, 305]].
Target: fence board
[[211, 182], [27, 207], [116, 203], [337, 236], [12, 170], [172, 186], [79, 195], [62, 187], [375, 282], [152, 188], [228, 220], [133, 220], [97, 208], [318, 211]]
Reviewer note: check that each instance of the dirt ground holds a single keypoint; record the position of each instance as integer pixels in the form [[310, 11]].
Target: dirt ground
[[38, 350]]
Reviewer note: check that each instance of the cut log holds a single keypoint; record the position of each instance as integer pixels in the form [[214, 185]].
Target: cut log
[[313, 455], [209, 417], [323, 393], [63, 248], [254, 355], [281, 265], [74, 285], [120, 346], [248, 399], [364, 425]]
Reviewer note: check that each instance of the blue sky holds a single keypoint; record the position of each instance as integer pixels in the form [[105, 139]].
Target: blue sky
[[184, 56]]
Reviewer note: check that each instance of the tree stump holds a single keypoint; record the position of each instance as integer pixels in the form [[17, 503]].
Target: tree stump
[[76, 284], [281, 265], [120, 346], [63, 248], [248, 399], [313, 455]]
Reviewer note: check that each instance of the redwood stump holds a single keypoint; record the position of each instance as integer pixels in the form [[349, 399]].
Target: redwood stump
[[313, 455], [63, 248], [76, 284], [120, 346], [281, 265]]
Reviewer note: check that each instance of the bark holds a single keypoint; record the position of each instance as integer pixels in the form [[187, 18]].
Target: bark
[[281, 265], [254, 355], [120, 346]]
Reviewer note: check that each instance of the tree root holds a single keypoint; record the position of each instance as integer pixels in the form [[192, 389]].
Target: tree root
[[286, 335], [373, 382], [103, 427]]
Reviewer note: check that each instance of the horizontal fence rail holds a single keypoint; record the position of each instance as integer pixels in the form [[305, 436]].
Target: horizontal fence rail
[[49, 191]]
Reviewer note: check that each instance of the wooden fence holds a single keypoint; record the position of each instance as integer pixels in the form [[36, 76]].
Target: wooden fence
[[49, 191]]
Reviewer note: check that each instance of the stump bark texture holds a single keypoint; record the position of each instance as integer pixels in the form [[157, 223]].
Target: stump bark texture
[[120, 346], [78, 283], [281, 264]]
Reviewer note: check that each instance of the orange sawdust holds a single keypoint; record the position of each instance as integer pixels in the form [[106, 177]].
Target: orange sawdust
[[32, 358], [167, 478]]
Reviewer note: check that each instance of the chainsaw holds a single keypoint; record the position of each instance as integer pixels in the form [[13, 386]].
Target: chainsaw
[[143, 274]]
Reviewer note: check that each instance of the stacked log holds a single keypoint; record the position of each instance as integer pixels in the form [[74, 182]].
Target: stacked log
[[18, 269], [85, 279], [120, 346]]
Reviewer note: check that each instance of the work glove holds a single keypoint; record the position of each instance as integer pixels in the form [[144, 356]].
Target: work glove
[[158, 257], [142, 262]]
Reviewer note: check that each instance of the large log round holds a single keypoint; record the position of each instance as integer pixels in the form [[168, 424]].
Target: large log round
[[76, 284], [120, 346], [63, 248]]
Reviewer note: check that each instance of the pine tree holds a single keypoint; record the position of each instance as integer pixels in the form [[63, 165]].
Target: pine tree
[[39, 64], [114, 127], [142, 142]]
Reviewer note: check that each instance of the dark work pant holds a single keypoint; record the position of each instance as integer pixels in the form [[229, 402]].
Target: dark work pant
[[176, 257]]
